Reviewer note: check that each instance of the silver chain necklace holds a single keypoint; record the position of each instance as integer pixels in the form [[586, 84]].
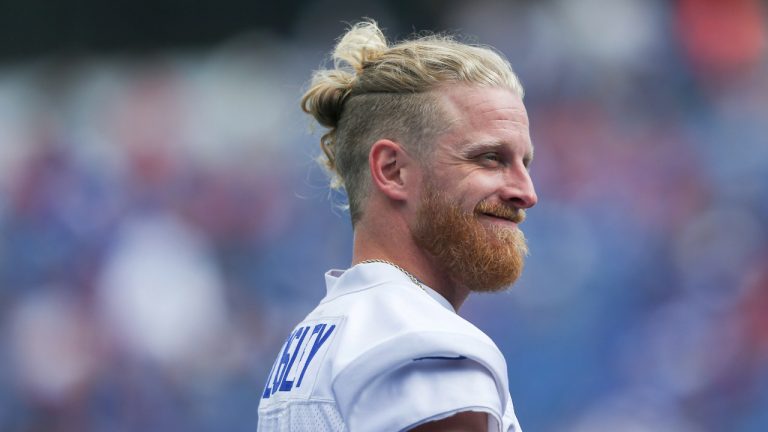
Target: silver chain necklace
[[406, 272]]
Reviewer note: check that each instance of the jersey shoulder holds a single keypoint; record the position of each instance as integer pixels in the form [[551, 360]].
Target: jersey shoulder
[[392, 325]]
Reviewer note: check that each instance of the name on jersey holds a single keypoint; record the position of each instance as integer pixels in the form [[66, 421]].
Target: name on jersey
[[294, 365]]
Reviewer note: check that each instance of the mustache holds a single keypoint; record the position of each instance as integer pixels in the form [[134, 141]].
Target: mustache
[[515, 215]]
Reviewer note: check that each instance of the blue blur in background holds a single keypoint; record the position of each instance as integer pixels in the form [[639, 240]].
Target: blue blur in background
[[163, 224]]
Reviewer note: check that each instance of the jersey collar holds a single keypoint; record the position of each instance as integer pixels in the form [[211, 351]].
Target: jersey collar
[[364, 276]]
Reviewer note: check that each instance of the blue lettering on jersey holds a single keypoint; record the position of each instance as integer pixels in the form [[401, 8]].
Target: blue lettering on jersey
[[319, 341], [294, 357]]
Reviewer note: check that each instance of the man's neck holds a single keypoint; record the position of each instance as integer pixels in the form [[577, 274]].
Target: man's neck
[[383, 242]]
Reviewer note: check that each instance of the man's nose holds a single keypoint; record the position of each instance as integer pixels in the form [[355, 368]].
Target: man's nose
[[518, 188]]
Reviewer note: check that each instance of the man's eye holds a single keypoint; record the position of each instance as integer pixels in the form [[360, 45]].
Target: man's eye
[[490, 157]]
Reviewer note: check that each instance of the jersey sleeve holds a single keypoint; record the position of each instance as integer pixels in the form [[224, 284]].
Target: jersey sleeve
[[425, 390], [416, 378]]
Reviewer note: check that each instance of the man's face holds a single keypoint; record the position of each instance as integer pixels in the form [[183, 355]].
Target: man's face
[[475, 189]]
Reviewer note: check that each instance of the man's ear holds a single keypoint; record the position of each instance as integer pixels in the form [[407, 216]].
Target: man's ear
[[391, 169]]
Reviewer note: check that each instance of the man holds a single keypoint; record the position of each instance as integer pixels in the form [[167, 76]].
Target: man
[[429, 138]]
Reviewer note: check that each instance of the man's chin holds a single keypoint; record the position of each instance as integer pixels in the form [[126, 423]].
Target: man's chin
[[507, 236], [499, 263]]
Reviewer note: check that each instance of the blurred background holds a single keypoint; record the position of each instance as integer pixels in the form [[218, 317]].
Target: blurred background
[[163, 224]]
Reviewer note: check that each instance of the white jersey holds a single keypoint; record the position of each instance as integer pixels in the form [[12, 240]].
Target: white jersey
[[380, 354]]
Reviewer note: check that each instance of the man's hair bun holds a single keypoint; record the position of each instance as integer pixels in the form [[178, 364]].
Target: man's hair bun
[[329, 89], [363, 43]]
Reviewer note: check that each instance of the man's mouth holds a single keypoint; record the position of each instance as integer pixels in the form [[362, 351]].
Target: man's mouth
[[506, 214], [495, 216], [501, 219]]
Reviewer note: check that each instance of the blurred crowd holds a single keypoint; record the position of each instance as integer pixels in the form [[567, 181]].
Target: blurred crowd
[[163, 224]]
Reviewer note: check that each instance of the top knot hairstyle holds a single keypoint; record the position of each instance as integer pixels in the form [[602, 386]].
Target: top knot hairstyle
[[376, 90]]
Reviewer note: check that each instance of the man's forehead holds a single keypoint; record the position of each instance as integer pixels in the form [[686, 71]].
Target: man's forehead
[[463, 103]]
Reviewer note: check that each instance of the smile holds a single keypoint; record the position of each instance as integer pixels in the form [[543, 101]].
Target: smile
[[499, 219]]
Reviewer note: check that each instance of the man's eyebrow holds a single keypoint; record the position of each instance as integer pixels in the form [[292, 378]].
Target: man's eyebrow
[[476, 146], [480, 146]]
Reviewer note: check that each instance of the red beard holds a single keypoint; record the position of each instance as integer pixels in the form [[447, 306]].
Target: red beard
[[480, 258]]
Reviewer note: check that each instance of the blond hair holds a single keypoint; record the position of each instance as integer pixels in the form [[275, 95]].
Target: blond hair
[[377, 91]]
